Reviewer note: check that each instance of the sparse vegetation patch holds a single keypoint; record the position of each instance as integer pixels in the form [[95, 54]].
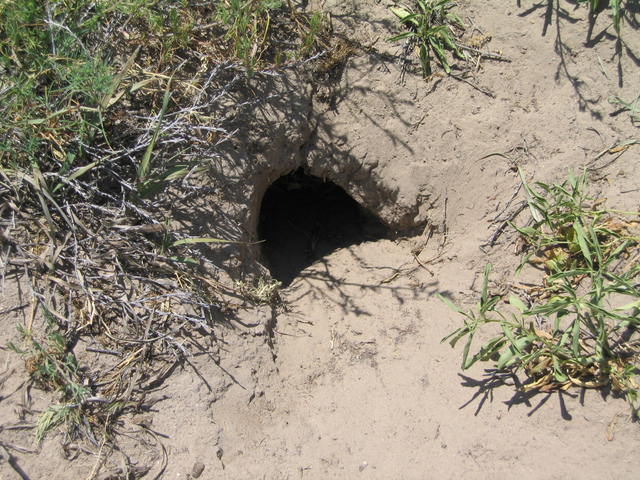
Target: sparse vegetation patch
[[579, 328], [111, 113]]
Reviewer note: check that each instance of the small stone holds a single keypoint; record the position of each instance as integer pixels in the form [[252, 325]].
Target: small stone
[[197, 469], [4, 455]]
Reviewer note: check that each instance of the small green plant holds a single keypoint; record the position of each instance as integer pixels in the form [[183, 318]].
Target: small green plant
[[310, 37], [633, 107], [433, 26], [52, 367], [577, 332], [615, 6], [247, 26]]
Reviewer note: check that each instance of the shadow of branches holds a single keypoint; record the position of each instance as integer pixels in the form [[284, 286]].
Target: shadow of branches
[[556, 14]]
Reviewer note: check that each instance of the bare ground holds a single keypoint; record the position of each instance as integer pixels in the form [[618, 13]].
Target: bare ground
[[349, 379]]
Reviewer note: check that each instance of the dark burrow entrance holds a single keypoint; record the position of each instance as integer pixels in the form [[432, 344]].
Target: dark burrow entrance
[[303, 218]]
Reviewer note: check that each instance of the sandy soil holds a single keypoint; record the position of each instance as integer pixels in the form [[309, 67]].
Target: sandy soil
[[348, 379]]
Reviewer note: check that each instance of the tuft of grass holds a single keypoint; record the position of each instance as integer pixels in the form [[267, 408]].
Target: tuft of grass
[[265, 292], [52, 367], [433, 26], [257, 35], [310, 37], [633, 107], [578, 329], [247, 24], [50, 79]]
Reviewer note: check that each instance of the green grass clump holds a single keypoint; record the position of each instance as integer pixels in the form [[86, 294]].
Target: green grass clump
[[247, 24], [53, 367], [579, 329], [50, 79], [61, 63], [433, 26]]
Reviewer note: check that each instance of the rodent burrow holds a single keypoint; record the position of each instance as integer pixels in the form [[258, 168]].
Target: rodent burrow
[[304, 218]]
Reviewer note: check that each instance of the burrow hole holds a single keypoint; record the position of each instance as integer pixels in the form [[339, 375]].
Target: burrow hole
[[304, 218]]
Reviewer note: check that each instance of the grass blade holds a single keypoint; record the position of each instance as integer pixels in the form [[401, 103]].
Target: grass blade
[[530, 195], [450, 305], [584, 246], [192, 241], [118, 79], [485, 283], [143, 169], [615, 13]]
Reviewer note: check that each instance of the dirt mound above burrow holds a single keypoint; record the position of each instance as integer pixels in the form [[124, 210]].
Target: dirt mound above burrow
[[286, 123]]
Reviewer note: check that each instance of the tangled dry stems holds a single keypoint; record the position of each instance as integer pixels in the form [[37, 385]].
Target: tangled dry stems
[[88, 177]]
